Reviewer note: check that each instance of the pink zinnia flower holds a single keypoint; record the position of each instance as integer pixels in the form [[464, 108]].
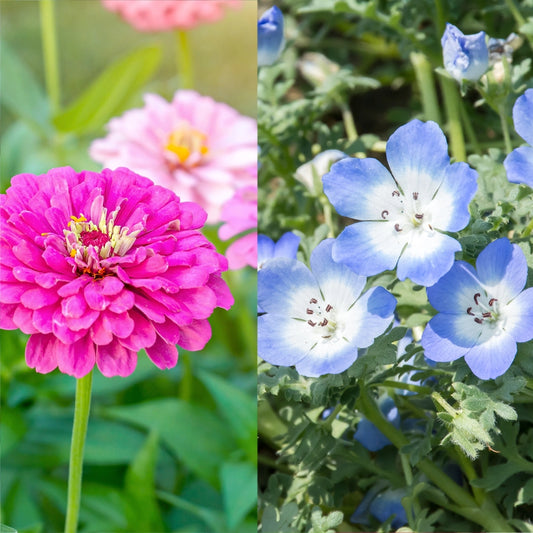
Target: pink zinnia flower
[[163, 15], [199, 148], [96, 266], [240, 215]]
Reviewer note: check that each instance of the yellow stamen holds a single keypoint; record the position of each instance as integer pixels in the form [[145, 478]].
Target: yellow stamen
[[185, 141]]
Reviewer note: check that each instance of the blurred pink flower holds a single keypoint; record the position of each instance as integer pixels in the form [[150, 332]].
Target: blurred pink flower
[[97, 266], [163, 15], [199, 148], [239, 215]]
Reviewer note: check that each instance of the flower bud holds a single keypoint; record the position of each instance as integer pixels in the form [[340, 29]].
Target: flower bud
[[270, 39]]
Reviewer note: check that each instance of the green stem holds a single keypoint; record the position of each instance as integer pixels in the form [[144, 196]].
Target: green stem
[[79, 430], [505, 130], [49, 44], [426, 84], [452, 103], [349, 123], [328, 214], [528, 230], [469, 130], [486, 515], [185, 391], [184, 60]]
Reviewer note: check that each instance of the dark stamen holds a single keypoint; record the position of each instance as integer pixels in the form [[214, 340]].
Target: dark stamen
[[419, 217], [476, 297], [430, 227], [469, 311], [328, 308], [415, 195], [326, 336], [309, 311], [313, 301], [311, 323], [395, 193], [487, 315], [478, 320], [384, 214], [397, 227], [492, 300], [324, 322]]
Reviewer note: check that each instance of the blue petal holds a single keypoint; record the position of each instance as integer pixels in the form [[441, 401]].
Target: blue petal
[[387, 504], [492, 358], [360, 189], [369, 248], [287, 245], [335, 278], [519, 315], [453, 293], [327, 358], [284, 286], [519, 165], [447, 337], [417, 154], [281, 340], [270, 39], [502, 267], [375, 312], [449, 208], [523, 116], [427, 257], [370, 436], [265, 249]]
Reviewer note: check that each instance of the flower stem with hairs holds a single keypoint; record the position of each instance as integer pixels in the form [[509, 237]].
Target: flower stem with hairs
[[79, 431]]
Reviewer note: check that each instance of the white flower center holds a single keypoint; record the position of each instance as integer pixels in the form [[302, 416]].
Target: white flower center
[[485, 310], [410, 213], [323, 321]]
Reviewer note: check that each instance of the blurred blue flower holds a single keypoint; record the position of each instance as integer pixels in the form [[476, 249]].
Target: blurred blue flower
[[464, 56], [381, 506], [402, 218], [317, 319], [519, 163], [267, 249], [369, 435], [270, 40], [483, 313]]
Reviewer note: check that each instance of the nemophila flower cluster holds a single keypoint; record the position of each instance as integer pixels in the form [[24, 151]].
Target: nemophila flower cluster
[[201, 149], [97, 266]]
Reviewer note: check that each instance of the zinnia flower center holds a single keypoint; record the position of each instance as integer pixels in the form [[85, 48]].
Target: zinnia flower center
[[186, 145], [88, 243]]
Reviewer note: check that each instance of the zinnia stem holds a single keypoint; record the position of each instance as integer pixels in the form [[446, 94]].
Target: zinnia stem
[[79, 430], [184, 60], [51, 63]]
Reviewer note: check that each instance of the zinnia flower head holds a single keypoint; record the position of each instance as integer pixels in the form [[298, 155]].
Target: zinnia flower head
[[519, 163], [240, 215], [483, 313], [97, 266], [403, 215], [317, 319], [270, 39], [199, 148], [465, 56], [164, 15]]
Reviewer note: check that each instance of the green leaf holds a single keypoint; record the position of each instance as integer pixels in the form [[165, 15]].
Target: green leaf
[[237, 408], [111, 93], [525, 495], [139, 486], [21, 93], [197, 436], [239, 490]]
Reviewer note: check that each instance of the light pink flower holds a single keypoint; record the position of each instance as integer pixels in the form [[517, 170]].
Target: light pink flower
[[97, 266], [240, 215], [199, 148], [163, 15]]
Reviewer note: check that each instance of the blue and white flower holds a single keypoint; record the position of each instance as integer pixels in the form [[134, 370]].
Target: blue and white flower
[[270, 39], [403, 215], [369, 435], [483, 313], [465, 56], [310, 173], [382, 505], [317, 319], [519, 163], [267, 249]]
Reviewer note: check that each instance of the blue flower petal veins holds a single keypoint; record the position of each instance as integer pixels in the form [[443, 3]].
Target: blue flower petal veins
[[402, 217], [464, 56], [317, 321], [483, 314], [270, 39]]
